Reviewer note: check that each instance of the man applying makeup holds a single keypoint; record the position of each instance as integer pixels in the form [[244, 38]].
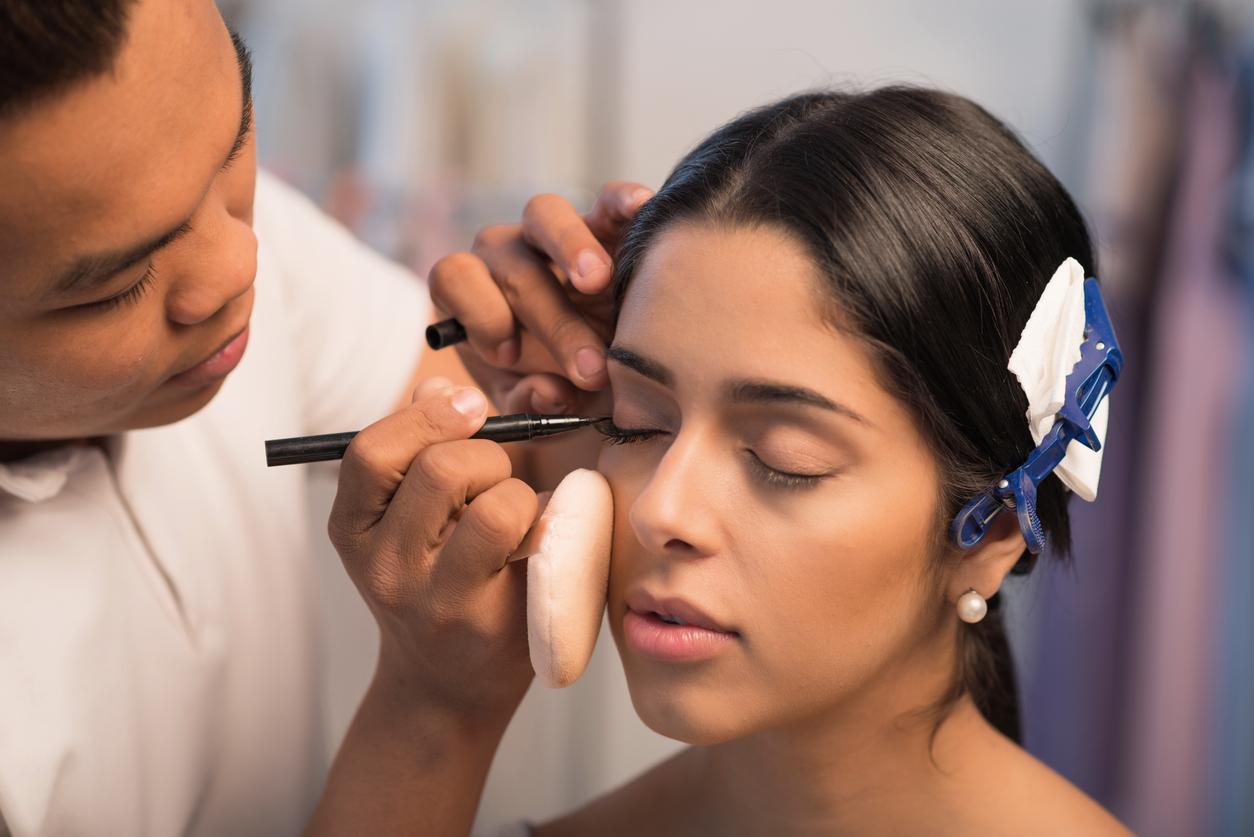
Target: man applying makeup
[[164, 308]]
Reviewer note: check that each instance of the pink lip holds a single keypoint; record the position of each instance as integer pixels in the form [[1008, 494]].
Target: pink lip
[[215, 367], [648, 634]]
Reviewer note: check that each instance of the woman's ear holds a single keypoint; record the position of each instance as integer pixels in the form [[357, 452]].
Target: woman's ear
[[984, 566]]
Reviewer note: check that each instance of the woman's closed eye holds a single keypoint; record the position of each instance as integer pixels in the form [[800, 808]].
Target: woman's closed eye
[[772, 477], [616, 435], [782, 479]]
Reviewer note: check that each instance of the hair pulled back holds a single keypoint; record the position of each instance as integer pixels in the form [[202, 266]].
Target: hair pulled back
[[935, 231]]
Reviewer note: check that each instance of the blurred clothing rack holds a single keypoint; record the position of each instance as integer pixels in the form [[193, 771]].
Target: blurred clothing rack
[[1143, 688]]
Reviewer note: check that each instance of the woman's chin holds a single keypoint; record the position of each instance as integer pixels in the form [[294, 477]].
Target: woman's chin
[[680, 714]]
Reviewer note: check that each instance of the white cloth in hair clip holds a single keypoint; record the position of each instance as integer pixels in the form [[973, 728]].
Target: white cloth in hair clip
[[1047, 352]]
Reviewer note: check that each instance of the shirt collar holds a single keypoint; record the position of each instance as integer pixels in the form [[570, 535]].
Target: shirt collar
[[42, 476]]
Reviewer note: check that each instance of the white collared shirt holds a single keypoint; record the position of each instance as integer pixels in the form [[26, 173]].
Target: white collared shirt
[[158, 649]]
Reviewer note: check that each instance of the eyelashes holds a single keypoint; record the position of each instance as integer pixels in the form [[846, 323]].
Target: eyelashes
[[783, 479], [772, 477], [130, 295], [615, 435]]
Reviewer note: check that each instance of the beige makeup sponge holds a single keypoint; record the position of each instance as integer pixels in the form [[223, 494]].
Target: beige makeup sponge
[[568, 569]]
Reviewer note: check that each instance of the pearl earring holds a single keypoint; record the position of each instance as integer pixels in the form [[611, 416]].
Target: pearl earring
[[972, 607]]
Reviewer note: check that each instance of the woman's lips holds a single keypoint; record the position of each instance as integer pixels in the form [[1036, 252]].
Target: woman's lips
[[215, 367], [649, 635]]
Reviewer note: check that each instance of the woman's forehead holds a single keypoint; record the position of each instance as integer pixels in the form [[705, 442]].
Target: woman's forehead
[[735, 301]]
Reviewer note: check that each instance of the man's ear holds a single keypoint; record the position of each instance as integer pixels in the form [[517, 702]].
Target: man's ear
[[984, 566]]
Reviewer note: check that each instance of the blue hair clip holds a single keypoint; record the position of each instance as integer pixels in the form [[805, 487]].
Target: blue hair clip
[[1088, 383]]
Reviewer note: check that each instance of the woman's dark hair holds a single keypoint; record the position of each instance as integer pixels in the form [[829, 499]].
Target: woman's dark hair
[[936, 231]]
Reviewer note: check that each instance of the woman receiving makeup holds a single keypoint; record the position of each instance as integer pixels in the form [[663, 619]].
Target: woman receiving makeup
[[811, 322]]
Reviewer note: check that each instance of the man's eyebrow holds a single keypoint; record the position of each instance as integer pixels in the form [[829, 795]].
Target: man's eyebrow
[[771, 392], [648, 368], [96, 269]]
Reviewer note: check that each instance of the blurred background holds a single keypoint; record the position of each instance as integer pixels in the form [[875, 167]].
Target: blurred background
[[417, 121]]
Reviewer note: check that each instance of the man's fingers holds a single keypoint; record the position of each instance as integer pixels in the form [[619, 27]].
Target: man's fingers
[[541, 393], [380, 455], [541, 305], [461, 286], [432, 385], [442, 479], [489, 530], [552, 226], [530, 543], [616, 205]]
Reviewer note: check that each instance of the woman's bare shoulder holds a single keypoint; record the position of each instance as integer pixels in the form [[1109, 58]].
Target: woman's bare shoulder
[[1008, 792], [1023, 795], [645, 805]]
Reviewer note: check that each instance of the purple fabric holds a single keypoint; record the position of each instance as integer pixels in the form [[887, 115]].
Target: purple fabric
[[1183, 499], [1120, 697]]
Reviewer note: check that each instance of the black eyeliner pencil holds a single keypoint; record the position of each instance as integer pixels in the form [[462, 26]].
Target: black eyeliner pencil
[[518, 427]]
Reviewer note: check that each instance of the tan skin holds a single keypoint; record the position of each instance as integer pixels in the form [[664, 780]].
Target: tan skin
[[155, 160], [121, 160], [813, 722], [103, 168], [810, 723]]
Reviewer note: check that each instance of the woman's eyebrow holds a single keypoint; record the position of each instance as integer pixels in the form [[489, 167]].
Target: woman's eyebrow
[[771, 392], [649, 368], [742, 391]]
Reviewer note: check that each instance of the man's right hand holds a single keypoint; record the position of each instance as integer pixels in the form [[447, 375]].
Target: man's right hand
[[425, 519], [535, 301]]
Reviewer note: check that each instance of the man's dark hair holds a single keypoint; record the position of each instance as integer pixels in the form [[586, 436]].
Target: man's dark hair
[[48, 45]]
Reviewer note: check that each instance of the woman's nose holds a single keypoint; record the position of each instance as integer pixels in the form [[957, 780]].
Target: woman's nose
[[676, 513], [221, 265]]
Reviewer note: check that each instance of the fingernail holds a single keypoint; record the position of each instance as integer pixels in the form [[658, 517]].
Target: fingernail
[[543, 405], [589, 362], [588, 264], [469, 402], [507, 352]]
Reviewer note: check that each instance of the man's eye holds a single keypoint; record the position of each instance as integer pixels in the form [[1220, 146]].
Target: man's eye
[[616, 435], [128, 296]]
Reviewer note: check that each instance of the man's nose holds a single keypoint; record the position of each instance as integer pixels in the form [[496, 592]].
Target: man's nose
[[221, 268]]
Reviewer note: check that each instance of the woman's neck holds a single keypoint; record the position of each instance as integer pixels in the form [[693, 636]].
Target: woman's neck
[[872, 767]]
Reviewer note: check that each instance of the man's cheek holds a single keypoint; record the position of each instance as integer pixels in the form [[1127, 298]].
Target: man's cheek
[[125, 361]]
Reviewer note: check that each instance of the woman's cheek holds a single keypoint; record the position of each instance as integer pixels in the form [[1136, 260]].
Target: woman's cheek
[[627, 475], [627, 469]]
